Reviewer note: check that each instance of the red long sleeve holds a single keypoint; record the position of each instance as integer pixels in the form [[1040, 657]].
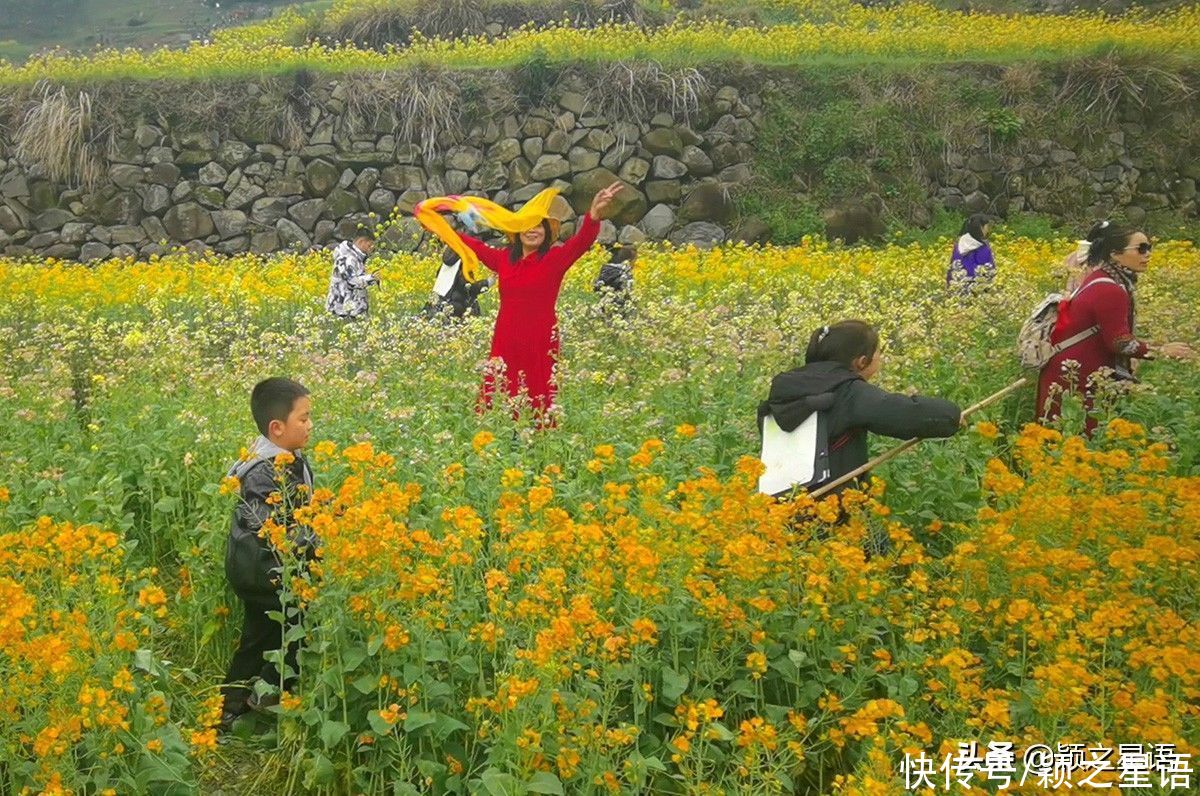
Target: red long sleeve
[[577, 245], [1110, 309], [491, 257]]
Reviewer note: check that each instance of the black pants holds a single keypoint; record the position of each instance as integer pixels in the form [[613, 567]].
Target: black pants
[[260, 634]]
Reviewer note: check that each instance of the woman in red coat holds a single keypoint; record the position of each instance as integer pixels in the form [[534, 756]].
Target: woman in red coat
[[530, 274], [1103, 305]]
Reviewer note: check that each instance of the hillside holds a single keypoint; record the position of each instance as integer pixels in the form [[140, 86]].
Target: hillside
[[81, 25]]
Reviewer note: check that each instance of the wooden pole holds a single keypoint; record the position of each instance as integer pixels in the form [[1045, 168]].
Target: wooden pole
[[892, 453]]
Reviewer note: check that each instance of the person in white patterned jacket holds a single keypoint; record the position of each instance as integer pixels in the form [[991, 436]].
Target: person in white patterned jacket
[[347, 297]]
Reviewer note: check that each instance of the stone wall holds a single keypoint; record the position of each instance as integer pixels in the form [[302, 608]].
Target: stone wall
[[230, 192], [211, 190], [1116, 174]]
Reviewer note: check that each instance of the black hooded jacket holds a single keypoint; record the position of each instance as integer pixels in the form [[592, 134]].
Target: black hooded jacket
[[463, 296], [853, 407]]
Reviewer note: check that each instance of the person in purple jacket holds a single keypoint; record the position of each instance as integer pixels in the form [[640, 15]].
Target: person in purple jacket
[[972, 258]]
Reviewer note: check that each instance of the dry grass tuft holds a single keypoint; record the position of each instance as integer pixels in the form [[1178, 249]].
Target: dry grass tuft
[[636, 89], [61, 132]]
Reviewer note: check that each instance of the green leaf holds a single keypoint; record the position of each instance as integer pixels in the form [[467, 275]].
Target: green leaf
[[743, 688], [545, 782], [438, 689], [674, 683], [498, 783], [654, 764], [210, 629], [154, 770], [445, 725], [777, 714], [353, 658], [143, 661], [366, 683], [431, 768], [721, 731], [321, 771], [418, 719], [435, 652], [374, 644], [166, 505], [332, 732], [331, 678], [797, 657], [785, 667]]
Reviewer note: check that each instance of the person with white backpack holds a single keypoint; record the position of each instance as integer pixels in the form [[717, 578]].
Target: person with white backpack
[[1094, 326], [815, 420]]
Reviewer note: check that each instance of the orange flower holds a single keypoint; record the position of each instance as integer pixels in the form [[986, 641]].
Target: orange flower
[[756, 662], [481, 440], [987, 430], [362, 453], [453, 472]]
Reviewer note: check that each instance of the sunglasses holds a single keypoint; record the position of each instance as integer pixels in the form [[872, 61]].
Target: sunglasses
[[1142, 248]]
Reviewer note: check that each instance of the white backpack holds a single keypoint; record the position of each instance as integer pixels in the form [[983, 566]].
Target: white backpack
[[1034, 348], [799, 457]]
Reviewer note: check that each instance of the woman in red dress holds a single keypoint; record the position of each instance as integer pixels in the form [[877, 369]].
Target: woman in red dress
[[530, 274], [1103, 304]]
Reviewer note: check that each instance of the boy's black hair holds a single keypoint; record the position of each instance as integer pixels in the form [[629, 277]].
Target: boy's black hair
[[844, 342], [364, 234], [273, 399], [1105, 239], [516, 251]]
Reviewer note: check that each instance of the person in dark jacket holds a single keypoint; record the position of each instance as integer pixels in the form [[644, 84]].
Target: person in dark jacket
[[971, 261], [274, 480], [614, 283], [453, 296], [840, 362]]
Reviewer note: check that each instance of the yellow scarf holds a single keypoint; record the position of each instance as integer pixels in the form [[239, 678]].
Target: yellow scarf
[[493, 215]]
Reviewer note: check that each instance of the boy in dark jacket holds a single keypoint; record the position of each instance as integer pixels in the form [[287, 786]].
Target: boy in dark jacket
[[840, 361], [274, 480]]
